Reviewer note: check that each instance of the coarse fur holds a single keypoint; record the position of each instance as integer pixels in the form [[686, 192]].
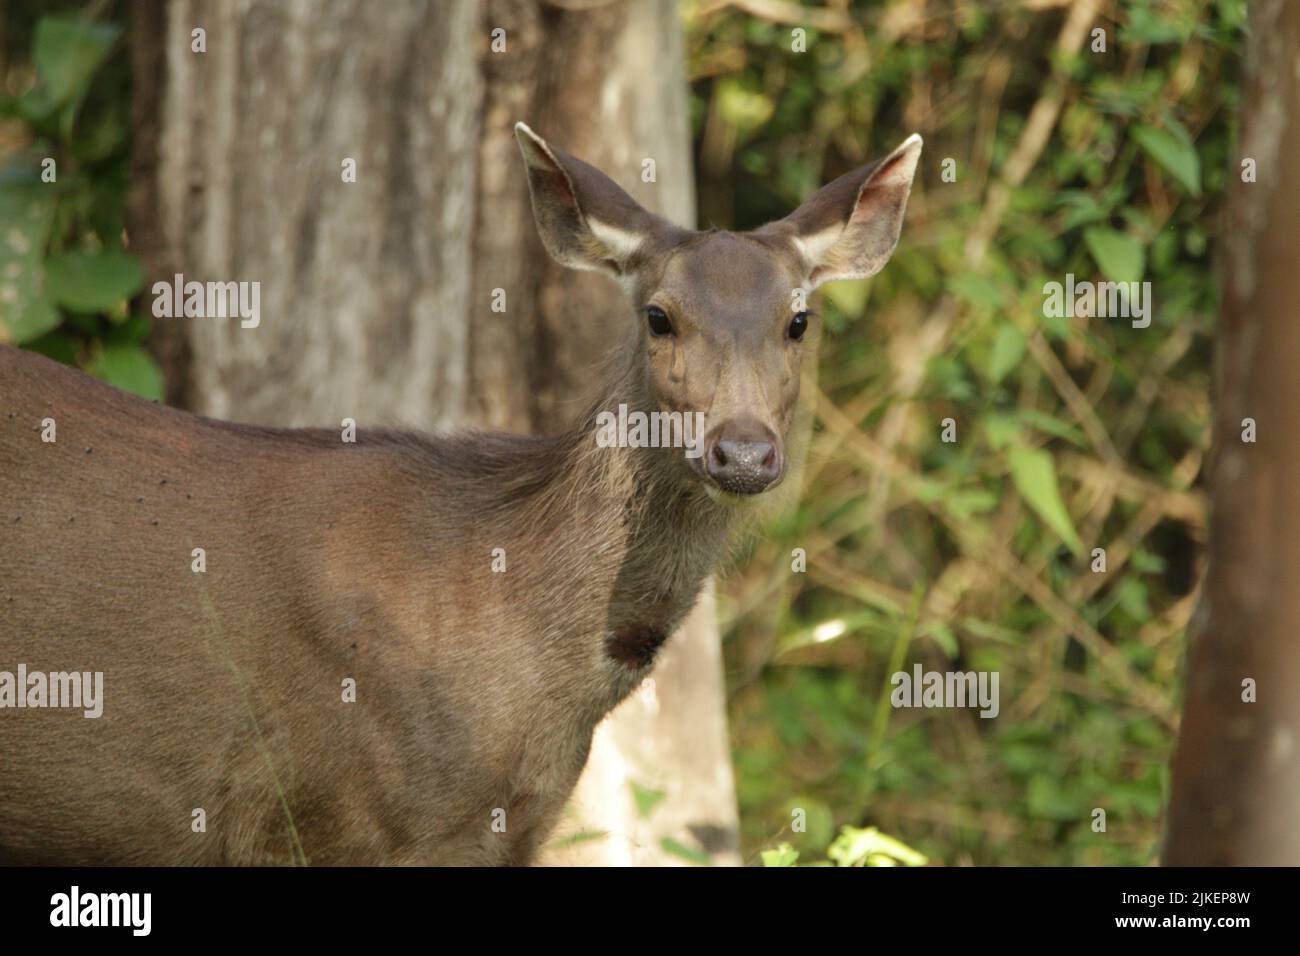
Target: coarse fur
[[477, 690]]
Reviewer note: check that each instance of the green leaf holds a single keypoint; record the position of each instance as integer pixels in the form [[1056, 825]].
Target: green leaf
[[582, 836], [1146, 562], [92, 281], [1008, 349], [1052, 426], [870, 847], [646, 799], [133, 330], [942, 635], [1001, 430], [128, 367], [103, 133], [669, 845], [26, 213], [1034, 472], [976, 290], [991, 632], [1148, 26], [928, 491], [1083, 209], [782, 855], [1132, 597], [67, 54], [1175, 154], [1049, 798], [962, 503], [1120, 258], [742, 107]]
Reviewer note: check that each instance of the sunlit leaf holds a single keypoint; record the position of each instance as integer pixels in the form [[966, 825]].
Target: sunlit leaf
[[1034, 473], [741, 106], [856, 847], [782, 855]]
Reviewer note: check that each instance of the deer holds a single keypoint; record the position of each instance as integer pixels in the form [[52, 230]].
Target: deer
[[228, 580]]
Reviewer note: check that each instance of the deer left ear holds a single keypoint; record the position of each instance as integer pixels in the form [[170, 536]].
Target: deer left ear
[[585, 220], [849, 228]]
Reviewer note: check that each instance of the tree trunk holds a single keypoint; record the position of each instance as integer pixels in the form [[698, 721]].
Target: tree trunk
[[1236, 780], [377, 295]]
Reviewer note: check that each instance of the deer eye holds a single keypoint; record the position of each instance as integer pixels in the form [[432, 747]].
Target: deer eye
[[798, 326], [658, 321]]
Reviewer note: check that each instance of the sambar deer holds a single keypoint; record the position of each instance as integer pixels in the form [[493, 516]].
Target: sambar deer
[[477, 689]]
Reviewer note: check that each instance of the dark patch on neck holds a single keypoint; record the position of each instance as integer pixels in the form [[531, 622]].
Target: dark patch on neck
[[635, 645]]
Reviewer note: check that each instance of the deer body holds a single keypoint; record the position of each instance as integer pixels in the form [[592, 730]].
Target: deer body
[[477, 687], [477, 690]]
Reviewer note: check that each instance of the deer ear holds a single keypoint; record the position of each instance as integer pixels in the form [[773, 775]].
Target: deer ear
[[849, 228], [585, 220]]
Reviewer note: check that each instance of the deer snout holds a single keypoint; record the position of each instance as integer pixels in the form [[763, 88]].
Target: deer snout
[[743, 459]]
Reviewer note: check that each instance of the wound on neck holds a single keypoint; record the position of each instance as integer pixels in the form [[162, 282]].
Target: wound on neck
[[635, 646]]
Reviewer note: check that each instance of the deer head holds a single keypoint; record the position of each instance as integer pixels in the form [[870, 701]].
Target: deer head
[[723, 316]]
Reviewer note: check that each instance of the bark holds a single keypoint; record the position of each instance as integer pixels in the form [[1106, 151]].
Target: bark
[[363, 284], [376, 296], [1236, 778]]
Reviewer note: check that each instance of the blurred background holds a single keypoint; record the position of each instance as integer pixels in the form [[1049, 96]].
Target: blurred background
[[1050, 149], [975, 555]]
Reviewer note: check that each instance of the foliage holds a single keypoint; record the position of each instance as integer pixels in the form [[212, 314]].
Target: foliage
[[66, 278], [1071, 433], [853, 847]]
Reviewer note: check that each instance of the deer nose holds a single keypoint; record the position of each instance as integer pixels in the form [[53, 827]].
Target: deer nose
[[742, 465]]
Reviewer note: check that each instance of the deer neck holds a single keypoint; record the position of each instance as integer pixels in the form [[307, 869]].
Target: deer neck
[[645, 517]]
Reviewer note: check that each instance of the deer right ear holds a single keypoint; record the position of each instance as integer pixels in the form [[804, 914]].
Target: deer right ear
[[849, 228], [585, 220]]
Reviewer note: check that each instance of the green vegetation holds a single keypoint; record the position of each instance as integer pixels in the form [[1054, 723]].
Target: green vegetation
[[66, 279], [978, 554], [1071, 433]]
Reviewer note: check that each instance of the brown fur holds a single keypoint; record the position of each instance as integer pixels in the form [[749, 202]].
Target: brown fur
[[476, 691]]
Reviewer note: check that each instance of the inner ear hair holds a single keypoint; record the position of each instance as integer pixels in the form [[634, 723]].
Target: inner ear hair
[[848, 228]]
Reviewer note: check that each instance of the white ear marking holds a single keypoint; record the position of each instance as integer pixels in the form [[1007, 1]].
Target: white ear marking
[[814, 246], [619, 242]]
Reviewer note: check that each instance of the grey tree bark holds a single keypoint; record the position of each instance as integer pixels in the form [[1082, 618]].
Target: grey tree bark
[[377, 295], [1236, 780]]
